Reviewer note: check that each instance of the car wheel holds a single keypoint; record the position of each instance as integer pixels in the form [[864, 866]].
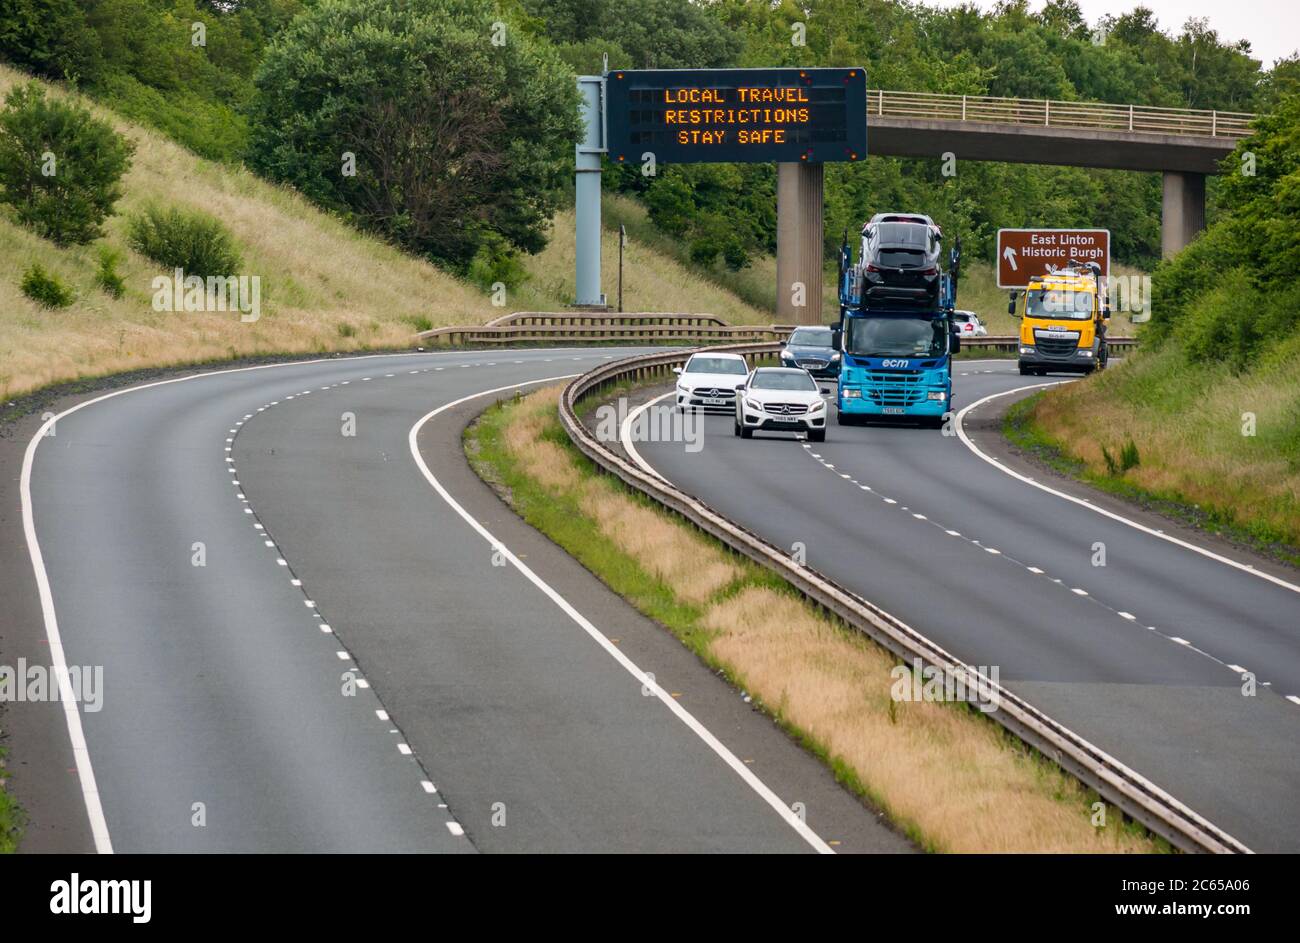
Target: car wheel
[[746, 432], [816, 435], [735, 426]]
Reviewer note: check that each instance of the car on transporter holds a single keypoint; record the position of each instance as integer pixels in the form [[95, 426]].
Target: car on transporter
[[780, 399], [707, 382]]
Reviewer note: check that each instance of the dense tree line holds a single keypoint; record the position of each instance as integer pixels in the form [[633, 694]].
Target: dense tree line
[[191, 68]]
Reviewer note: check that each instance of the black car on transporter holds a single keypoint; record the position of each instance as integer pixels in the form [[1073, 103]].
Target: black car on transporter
[[900, 262]]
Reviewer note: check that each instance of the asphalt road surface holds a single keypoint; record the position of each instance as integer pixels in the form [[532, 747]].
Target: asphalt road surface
[[306, 646], [1142, 655]]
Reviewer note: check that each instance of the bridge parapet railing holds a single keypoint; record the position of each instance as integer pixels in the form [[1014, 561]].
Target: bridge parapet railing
[[1059, 114]]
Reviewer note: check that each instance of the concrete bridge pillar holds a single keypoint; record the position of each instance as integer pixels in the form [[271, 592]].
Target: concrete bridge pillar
[[1182, 213], [799, 225]]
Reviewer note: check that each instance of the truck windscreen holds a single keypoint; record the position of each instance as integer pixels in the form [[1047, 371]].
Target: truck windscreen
[[1059, 303], [896, 337]]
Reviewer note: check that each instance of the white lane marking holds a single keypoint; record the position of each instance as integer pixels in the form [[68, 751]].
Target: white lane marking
[[685, 716], [382, 715], [1293, 699], [625, 437], [428, 786], [1219, 558], [1237, 668], [455, 829], [81, 753], [72, 716], [404, 749]]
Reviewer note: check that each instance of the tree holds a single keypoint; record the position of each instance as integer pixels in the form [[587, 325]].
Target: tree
[[50, 37], [60, 167], [419, 119]]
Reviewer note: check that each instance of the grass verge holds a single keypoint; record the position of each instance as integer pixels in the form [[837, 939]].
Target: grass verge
[[951, 779], [11, 816], [1201, 445]]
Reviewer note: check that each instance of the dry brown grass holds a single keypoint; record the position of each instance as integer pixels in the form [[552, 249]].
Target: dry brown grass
[[1187, 426], [948, 776], [325, 287], [651, 280], [694, 567]]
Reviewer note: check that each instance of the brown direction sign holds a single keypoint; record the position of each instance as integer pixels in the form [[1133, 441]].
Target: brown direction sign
[[1026, 253]]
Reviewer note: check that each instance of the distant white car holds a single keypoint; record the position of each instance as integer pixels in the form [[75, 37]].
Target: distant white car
[[969, 323], [781, 399], [708, 381]]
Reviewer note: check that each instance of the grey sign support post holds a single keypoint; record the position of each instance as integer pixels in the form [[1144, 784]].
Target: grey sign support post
[[799, 229], [587, 192]]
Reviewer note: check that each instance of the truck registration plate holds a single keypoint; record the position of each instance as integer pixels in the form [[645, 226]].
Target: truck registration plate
[[894, 410]]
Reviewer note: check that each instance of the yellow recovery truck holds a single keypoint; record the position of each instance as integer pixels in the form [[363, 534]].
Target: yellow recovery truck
[[1063, 318]]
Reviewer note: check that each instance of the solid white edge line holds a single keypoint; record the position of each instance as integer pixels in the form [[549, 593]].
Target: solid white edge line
[[751, 780], [625, 436], [71, 714], [80, 752], [961, 434]]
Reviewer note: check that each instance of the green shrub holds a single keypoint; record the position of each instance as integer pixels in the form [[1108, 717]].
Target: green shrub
[[106, 276], [453, 137], [1128, 456], [45, 288], [496, 261], [60, 167], [189, 240]]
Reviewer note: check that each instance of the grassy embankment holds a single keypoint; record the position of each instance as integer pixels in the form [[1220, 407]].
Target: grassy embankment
[[325, 287], [952, 780], [1185, 425], [11, 819]]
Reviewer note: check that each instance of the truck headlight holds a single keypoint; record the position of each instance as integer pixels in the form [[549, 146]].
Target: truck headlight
[[939, 395], [1026, 350], [1085, 353], [851, 394]]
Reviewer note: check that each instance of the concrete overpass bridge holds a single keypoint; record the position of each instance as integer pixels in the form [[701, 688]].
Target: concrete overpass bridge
[[1183, 144]]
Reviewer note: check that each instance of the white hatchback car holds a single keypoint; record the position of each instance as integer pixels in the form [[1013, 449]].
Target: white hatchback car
[[969, 324], [708, 381], [781, 399]]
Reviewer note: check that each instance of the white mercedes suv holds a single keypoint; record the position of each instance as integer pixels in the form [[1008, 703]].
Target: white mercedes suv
[[708, 381], [780, 399]]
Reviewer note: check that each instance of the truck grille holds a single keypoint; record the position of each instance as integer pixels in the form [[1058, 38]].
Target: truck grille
[[1060, 345], [894, 387]]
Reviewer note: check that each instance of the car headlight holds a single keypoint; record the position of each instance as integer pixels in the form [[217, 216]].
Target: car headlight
[[939, 395], [786, 355], [851, 394], [835, 356], [817, 406]]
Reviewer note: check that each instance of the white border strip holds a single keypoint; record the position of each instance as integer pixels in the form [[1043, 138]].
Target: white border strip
[[767, 795], [961, 434]]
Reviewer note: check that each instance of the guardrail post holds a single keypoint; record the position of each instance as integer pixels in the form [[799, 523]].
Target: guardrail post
[[1130, 117], [1214, 124], [963, 108], [1047, 111]]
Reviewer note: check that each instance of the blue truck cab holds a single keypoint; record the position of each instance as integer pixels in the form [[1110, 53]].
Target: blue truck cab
[[896, 360]]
